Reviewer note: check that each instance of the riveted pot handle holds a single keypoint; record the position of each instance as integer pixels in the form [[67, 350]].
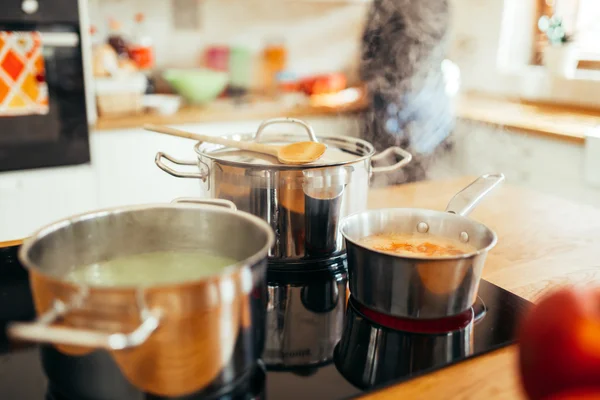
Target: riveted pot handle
[[42, 331], [272, 121], [465, 201], [210, 202], [158, 160], [406, 158]]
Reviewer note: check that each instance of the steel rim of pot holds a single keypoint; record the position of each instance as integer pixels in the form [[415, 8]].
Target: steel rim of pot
[[460, 206], [42, 328], [368, 152], [176, 204], [407, 157]]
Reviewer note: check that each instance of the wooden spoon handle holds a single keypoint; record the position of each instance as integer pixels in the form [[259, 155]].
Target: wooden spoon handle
[[236, 144]]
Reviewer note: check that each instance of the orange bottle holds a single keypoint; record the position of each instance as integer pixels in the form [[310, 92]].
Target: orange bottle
[[275, 61], [141, 49]]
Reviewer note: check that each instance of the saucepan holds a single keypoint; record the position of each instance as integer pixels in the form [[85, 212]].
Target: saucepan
[[167, 339], [420, 286]]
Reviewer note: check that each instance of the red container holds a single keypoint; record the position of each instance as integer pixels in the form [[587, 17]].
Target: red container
[[217, 58], [322, 84]]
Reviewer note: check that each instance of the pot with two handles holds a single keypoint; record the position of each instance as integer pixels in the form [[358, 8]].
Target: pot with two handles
[[167, 339], [302, 203]]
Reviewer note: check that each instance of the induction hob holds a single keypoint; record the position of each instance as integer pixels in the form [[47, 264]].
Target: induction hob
[[368, 356]]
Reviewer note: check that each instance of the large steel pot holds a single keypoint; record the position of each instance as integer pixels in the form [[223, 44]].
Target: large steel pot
[[302, 203], [168, 340], [420, 287]]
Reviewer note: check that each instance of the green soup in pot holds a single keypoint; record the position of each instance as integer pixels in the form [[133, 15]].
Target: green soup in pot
[[149, 269]]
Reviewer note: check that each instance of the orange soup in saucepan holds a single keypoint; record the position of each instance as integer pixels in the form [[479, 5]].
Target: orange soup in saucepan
[[419, 245]]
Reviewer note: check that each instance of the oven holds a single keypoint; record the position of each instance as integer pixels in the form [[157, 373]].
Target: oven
[[43, 105]]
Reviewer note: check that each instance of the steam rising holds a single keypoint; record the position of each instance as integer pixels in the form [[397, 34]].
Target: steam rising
[[412, 92]]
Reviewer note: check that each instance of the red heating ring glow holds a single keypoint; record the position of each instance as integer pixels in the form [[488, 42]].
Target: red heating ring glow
[[442, 325]]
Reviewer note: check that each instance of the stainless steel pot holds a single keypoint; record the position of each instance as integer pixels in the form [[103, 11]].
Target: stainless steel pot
[[168, 340], [420, 287], [302, 203]]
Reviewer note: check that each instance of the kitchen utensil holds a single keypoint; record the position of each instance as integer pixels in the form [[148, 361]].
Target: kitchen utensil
[[168, 340], [197, 86], [294, 153], [420, 287], [302, 203]]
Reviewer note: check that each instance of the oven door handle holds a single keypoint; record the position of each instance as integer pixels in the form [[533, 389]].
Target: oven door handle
[[59, 39]]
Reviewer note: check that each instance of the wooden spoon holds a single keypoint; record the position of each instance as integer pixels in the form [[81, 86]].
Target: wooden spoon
[[294, 153]]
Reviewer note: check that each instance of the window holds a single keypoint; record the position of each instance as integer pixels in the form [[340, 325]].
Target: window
[[581, 18]]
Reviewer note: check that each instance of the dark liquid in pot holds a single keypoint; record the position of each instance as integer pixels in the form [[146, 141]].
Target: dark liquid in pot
[[322, 221]]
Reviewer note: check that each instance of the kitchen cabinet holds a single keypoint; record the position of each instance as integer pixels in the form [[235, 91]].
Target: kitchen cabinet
[[545, 164], [31, 199]]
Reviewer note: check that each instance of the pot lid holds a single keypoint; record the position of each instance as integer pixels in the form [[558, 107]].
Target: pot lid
[[341, 150]]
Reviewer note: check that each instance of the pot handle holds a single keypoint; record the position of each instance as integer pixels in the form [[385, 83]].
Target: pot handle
[[212, 202], [465, 201], [406, 158], [272, 121], [158, 160], [41, 330]]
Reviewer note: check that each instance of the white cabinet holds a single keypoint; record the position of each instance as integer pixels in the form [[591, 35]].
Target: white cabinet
[[31, 199], [125, 169], [544, 164]]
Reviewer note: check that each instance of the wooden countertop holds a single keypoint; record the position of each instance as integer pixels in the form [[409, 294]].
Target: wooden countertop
[[553, 121], [550, 120], [544, 242], [227, 110]]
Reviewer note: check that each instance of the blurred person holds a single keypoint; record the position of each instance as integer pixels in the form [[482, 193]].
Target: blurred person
[[403, 48]]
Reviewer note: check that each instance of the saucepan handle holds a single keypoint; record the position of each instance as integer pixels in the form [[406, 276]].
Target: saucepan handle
[[464, 201], [272, 121], [41, 330], [210, 202], [406, 158], [158, 160]]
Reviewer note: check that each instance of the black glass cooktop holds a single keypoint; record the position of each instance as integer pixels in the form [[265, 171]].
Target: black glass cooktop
[[368, 356]]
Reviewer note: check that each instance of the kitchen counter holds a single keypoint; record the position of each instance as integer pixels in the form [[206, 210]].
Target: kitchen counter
[[544, 242], [554, 121], [228, 110]]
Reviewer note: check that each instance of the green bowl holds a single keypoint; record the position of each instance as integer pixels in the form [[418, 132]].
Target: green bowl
[[197, 86]]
